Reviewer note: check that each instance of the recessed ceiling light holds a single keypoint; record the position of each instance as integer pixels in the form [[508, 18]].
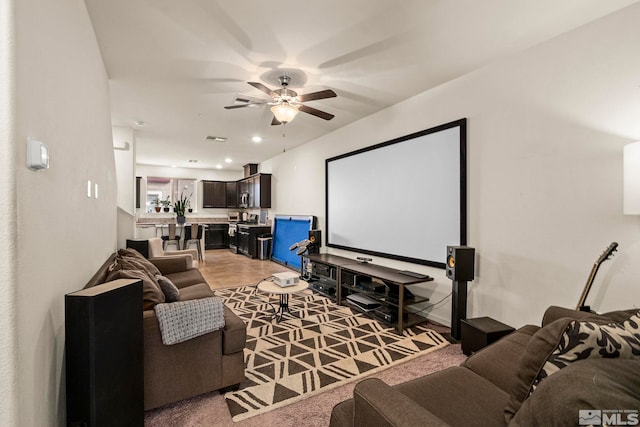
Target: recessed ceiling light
[[215, 138], [139, 123], [218, 166], [257, 139], [173, 166], [193, 161], [228, 160]]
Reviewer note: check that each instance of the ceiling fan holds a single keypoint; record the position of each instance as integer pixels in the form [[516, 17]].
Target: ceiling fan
[[286, 103]]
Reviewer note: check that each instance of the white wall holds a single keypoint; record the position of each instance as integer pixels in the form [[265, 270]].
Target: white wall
[[8, 334], [125, 163], [545, 135], [62, 235]]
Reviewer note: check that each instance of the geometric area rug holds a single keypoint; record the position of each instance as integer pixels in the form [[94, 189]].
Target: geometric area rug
[[327, 347]]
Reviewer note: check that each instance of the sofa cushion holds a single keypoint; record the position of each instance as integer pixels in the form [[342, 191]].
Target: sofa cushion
[[588, 385], [458, 397], [199, 290], [134, 263], [170, 291], [540, 347], [186, 278], [498, 362], [183, 320], [151, 293]]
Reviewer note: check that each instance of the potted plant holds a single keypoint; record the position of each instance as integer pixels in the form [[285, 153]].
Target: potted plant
[[166, 203], [180, 207], [156, 203]]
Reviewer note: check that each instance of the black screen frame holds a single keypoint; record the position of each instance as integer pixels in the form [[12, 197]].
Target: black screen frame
[[462, 124]]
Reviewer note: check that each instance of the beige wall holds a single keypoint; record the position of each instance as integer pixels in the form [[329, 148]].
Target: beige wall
[[62, 235], [8, 332], [545, 137]]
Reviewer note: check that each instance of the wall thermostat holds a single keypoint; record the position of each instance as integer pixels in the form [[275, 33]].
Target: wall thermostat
[[37, 155]]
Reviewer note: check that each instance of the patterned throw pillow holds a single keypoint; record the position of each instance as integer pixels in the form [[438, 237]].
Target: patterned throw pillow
[[586, 340], [542, 345]]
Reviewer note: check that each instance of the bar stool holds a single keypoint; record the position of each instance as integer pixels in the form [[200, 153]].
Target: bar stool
[[172, 238], [189, 239]]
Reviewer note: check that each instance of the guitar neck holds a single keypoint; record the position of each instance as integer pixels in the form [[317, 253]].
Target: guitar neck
[[587, 287]]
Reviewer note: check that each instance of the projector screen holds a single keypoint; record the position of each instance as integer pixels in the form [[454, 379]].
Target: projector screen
[[403, 199]]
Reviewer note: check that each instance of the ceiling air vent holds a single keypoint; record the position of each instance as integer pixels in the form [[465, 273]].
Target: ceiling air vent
[[215, 138], [242, 99]]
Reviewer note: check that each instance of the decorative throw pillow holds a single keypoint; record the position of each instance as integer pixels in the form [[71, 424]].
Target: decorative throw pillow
[[135, 263], [130, 252], [170, 291], [590, 384], [151, 293], [181, 321], [541, 346], [586, 340]]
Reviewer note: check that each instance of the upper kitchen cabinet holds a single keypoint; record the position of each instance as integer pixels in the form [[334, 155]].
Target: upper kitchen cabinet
[[255, 191], [214, 194], [262, 190], [251, 192], [231, 188]]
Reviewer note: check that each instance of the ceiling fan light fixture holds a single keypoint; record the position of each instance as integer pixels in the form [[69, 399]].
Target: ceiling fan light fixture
[[284, 112]]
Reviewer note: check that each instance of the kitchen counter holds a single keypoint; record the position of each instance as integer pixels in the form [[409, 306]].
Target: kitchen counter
[[171, 219]]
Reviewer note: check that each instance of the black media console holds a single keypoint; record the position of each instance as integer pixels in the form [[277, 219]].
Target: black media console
[[338, 277]]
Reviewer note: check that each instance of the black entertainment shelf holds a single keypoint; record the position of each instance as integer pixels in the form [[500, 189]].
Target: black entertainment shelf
[[383, 284]]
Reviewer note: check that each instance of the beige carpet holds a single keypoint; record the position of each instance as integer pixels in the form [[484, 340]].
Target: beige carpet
[[326, 348]]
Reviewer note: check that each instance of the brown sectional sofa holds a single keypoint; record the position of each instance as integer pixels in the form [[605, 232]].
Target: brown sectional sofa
[[174, 372], [511, 381]]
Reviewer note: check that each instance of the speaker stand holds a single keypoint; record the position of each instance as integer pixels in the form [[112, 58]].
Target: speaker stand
[[458, 307]]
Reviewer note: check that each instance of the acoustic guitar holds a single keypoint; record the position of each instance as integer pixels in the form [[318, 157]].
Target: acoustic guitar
[[608, 253]]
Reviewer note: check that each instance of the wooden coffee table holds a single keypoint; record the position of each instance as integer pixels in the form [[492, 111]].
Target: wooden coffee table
[[269, 287]]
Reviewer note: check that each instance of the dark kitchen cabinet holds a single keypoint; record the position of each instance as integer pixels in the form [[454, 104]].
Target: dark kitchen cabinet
[[216, 236], [251, 192], [231, 189], [214, 194], [248, 238], [138, 179], [255, 191], [262, 191]]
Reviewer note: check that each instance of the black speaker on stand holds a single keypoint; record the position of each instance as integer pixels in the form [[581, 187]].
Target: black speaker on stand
[[460, 269], [315, 237]]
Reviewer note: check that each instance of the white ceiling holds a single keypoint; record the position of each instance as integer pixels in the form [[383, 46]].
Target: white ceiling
[[174, 65]]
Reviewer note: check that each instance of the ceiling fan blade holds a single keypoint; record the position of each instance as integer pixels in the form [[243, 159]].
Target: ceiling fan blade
[[275, 122], [317, 95], [263, 88], [252, 104], [314, 112]]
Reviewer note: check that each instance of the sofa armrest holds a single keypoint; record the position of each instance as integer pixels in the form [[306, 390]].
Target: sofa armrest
[[192, 252], [173, 372], [234, 333], [172, 264], [376, 404]]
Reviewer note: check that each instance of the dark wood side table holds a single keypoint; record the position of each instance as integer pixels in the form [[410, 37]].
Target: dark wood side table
[[479, 332]]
